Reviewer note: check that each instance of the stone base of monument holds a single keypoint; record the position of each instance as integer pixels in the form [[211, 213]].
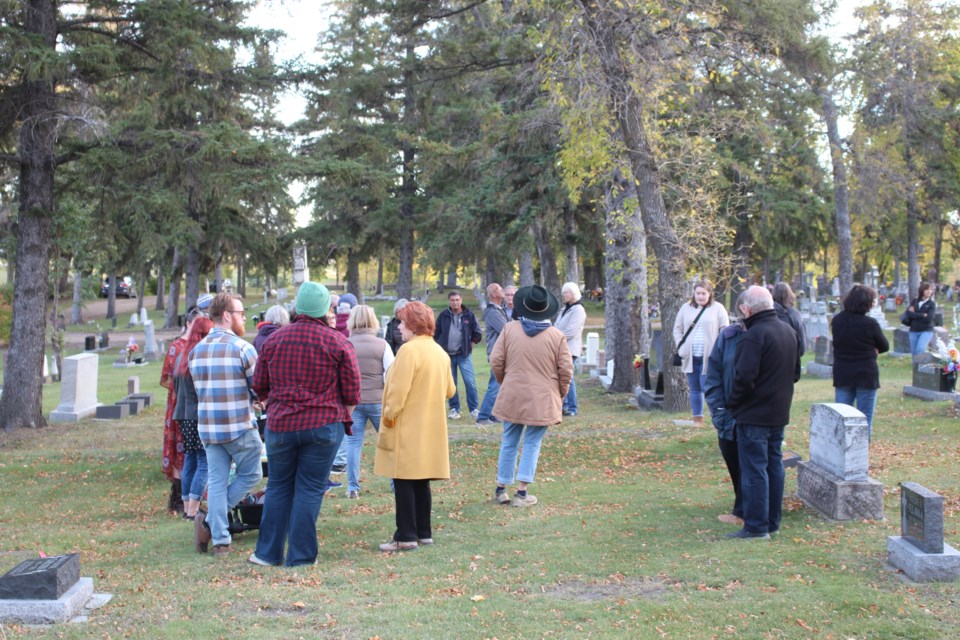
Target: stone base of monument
[[818, 370], [920, 566], [647, 399], [929, 395], [64, 608], [836, 498]]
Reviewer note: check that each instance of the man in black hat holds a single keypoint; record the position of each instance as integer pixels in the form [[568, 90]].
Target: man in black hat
[[532, 363]]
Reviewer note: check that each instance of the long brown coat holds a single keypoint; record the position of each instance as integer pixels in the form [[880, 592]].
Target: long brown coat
[[412, 444], [533, 372]]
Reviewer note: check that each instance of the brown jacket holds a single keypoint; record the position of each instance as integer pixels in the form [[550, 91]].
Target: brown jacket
[[534, 373]]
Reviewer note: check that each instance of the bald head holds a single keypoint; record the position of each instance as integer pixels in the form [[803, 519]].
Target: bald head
[[494, 293], [755, 299]]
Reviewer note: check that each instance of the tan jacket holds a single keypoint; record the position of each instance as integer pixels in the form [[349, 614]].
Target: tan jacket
[[534, 373], [412, 443], [714, 319]]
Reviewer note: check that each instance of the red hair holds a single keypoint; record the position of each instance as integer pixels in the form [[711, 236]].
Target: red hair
[[198, 331], [418, 318]]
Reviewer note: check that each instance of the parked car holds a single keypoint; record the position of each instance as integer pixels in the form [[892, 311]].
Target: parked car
[[124, 288]]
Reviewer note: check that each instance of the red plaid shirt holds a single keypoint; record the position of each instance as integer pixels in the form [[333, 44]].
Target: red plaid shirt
[[308, 375]]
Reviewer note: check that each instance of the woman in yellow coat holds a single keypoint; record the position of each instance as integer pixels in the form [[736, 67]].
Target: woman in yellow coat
[[412, 445]]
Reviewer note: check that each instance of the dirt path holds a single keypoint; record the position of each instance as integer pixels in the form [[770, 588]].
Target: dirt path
[[96, 311]]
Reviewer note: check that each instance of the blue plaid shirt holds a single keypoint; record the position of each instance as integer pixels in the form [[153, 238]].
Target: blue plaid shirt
[[222, 368]]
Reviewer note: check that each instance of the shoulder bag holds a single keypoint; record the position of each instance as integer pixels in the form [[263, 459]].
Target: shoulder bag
[[677, 360]]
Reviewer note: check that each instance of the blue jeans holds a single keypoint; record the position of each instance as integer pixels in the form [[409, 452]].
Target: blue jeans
[[570, 400], [469, 381], [510, 443], [361, 414], [341, 457], [300, 464], [919, 341], [761, 476], [193, 478], [863, 399], [697, 382], [223, 495], [489, 399]]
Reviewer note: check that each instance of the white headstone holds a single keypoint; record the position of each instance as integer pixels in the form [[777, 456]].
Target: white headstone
[[839, 440], [46, 369], [593, 348], [835, 288], [134, 320], [78, 388], [150, 339], [54, 371], [384, 321], [143, 316]]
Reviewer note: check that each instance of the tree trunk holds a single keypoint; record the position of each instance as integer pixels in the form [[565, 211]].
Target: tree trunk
[[380, 273], [572, 267], [142, 280], [112, 296], [191, 268], [549, 276], [76, 309], [841, 205], [353, 275], [451, 276], [408, 187], [173, 303], [625, 103], [526, 268], [161, 285], [21, 406]]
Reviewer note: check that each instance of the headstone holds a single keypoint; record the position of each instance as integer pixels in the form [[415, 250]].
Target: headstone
[[657, 341], [54, 371], [929, 381], [835, 288], [938, 317], [136, 404], [104, 340], [282, 293], [877, 314], [593, 346], [602, 359], [90, 343], [901, 341], [921, 552], [133, 385], [150, 350], [41, 578], [78, 388], [607, 379], [301, 270], [134, 320], [112, 411], [890, 304], [144, 318], [147, 398], [822, 365], [834, 481], [46, 369], [805, 305]]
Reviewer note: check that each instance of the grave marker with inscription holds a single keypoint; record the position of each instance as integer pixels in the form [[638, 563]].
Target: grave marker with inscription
[[921, 551], [41, 578]]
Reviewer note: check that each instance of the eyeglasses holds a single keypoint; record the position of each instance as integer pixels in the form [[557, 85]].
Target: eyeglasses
[[240, 311]]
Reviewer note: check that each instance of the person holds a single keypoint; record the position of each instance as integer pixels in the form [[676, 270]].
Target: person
[[276, 316], [222, 366], [920, 314], [532, 363], [718, 386], [857, 340], [457, 331], [171, 461], [392, 333], [700, 336], [310, 381], [342, 308], [494, 319], [508, 294], [764, 374], [570, 323], [412, 446], [194, 477], [374, 357], [784, 303]]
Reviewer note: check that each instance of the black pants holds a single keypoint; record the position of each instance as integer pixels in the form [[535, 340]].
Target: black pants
[[728, 449], [413, 510]]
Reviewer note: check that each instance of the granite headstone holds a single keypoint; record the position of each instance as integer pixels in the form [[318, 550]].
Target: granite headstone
[[41, 578]]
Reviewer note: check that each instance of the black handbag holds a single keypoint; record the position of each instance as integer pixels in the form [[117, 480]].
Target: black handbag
[[677, 360], [905, 318]]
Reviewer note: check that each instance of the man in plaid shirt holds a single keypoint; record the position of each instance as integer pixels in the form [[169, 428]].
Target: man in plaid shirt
[[222, 368], [309, 377]]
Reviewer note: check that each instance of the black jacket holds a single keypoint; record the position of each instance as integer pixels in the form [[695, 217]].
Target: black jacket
[[392, 334], [793, 318], [922, 319], [857, 338], [469, 328], [765, 372]]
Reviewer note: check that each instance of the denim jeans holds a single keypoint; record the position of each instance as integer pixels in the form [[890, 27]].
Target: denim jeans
[[509, 445], [361, 414], [489, 399], [863, 399], [193, 478], [300, 464], [697, 382], [919, 341], [761, 476], [469, 381], [340, 458], [570, 400], [223, 495]]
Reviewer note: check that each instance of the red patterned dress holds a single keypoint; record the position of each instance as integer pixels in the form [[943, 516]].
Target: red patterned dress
[[172, 439]]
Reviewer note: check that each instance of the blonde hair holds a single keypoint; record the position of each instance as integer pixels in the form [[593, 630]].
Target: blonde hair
[[362, 317]]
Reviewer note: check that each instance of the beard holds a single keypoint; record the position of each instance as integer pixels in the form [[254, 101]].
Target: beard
[[238, 327]]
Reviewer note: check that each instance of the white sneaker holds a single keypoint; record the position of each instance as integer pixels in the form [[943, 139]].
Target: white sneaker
[[475, 413], [526, 501], [453, 415]]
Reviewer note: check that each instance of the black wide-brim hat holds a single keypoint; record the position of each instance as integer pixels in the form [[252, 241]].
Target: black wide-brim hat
[[535, 303]]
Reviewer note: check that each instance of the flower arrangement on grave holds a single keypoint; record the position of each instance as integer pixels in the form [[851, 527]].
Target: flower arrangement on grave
[[638, 361], [949, 355], [131, 348]]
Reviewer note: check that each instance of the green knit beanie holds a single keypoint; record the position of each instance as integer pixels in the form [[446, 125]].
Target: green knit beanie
[[313, 300]]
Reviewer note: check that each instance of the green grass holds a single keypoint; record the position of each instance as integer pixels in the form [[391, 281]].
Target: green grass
[[624, 543]]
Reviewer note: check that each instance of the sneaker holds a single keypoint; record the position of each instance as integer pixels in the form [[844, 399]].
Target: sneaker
[[220, 550], [247, 501], [453, 415], [501, 498], [485, 423], [425, 541], [748, 535], [525, 501], [395, 545], [475, 413], [333, 484], [353, 495], [338, 468], [253, 559], [201, 532]]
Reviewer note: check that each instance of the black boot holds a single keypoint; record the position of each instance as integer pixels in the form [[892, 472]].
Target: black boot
[[175, 503]]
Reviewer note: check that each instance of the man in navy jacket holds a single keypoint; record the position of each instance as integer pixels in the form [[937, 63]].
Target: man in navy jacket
[[457, 331]]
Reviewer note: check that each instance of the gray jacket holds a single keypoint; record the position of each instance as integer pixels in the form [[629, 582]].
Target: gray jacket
[[494, 318]]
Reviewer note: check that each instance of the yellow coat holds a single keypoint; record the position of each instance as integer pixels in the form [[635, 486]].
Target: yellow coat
[[412, 444]]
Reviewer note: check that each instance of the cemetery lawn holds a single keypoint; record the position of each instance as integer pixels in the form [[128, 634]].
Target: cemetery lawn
[[624, 543]]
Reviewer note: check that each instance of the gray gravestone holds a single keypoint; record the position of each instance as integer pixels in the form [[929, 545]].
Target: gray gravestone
[[921, 551], [41, 578], [133, 385], [135, 404], [150, 350], [824, 351], [112, 412], [834, 481], [901, 341], [78, 388], [890, 304], [146, 397], [929, 382]]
